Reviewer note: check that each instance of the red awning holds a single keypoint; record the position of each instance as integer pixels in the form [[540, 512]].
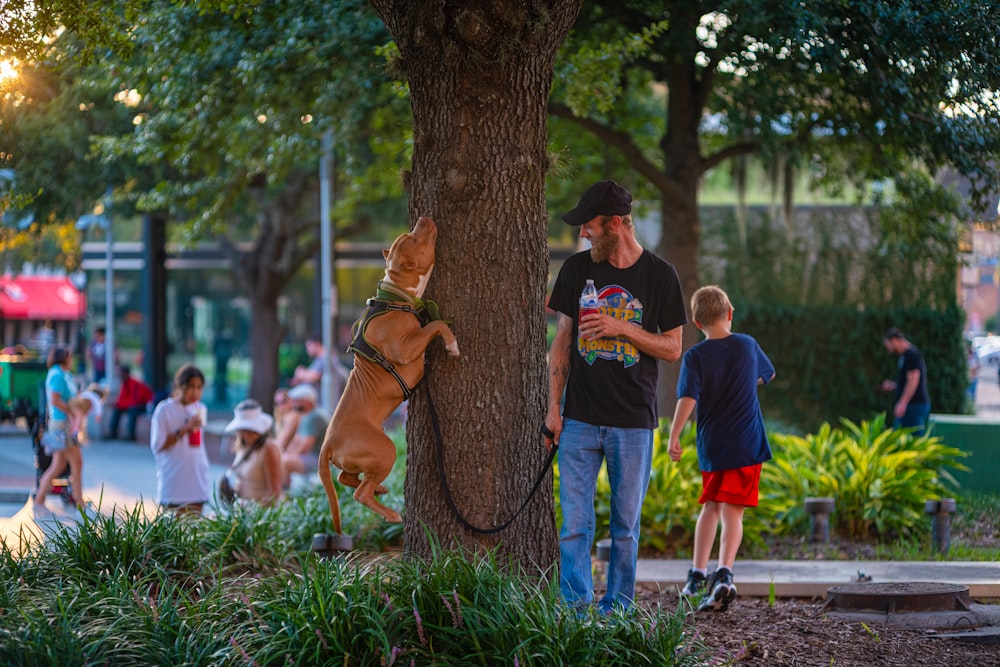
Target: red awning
[[40, 298]]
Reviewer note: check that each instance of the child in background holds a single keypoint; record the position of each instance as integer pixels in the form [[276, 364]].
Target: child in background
[[719, 376], [80, 406]]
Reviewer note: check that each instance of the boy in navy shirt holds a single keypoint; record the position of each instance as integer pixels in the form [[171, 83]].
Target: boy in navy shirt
[[719, 376]]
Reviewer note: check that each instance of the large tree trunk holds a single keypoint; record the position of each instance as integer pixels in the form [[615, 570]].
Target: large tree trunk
[[264, 343], [479, 75], [683, 169], [679, 245]]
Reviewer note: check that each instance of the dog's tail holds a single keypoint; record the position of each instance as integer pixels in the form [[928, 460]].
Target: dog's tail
[[331, 491]]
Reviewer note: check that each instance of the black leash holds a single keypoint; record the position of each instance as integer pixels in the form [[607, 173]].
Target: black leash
[[439, 449]]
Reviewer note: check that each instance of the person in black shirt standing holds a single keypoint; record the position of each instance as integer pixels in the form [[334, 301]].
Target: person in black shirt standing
[[913, 402], [606, 360]]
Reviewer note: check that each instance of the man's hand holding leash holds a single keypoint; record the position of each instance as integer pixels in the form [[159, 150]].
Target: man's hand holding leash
[[550, 437]]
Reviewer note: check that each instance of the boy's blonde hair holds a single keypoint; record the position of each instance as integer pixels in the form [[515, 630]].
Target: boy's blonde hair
[[710, 304]]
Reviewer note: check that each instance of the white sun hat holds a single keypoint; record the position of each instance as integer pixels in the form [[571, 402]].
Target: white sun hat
[[248, 415]]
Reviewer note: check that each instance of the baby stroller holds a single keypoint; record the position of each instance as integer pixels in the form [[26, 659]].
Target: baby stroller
[[60, 485]]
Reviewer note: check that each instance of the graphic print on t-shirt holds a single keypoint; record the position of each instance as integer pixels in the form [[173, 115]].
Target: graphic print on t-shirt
[[620, 304]]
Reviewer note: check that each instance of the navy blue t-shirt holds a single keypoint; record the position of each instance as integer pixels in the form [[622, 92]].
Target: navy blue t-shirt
[[610, 382], [912, 360], [721, 374]]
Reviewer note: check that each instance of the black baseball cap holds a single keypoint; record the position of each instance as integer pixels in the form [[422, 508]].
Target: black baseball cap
[[602, 198]]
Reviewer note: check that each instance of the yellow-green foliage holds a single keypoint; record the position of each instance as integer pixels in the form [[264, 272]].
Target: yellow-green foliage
[[879, 478]]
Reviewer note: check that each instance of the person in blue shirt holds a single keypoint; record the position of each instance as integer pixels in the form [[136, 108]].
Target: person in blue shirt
[[60, 387], [719, 377]]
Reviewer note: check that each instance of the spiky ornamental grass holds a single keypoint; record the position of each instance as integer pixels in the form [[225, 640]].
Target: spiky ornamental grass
[[236, 590]]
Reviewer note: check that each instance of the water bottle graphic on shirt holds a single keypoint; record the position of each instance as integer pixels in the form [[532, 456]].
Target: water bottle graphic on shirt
[[589, 303]]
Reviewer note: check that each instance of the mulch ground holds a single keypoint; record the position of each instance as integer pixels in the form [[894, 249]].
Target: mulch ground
[[799, 632], [752, 633]]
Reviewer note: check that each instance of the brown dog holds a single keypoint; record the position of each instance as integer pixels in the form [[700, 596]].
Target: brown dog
[[389, 344]]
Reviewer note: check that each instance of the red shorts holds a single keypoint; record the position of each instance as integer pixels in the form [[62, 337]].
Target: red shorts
[[737, 486]]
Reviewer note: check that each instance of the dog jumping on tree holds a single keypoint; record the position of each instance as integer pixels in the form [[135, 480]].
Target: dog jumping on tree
[[389, 343]]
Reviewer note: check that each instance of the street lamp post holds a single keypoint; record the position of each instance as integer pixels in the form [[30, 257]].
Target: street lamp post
[[102, 221], [328, 303], [79, 280]]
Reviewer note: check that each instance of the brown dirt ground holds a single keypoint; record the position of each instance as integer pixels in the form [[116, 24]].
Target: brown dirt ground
[[798, 632], [793, 632]]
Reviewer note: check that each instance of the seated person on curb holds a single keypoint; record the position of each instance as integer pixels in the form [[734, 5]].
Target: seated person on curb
[[256, 470], [300, 451], [314, 372], [133, 400]]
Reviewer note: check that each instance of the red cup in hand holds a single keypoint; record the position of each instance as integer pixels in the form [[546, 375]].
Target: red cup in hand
[[194, 437]]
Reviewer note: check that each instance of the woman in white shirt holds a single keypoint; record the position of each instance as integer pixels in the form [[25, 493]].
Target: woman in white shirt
[[182, 472]]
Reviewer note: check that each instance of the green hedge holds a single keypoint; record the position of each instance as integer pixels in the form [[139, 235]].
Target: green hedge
[[830, 360]]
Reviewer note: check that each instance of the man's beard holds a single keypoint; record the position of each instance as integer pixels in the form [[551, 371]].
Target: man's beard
[[602, 246]]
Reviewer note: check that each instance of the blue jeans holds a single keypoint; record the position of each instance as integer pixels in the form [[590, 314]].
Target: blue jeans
[[916, 415], [628, 453]]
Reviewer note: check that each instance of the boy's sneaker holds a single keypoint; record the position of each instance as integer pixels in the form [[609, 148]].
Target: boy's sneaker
[[696, 584], [721, 591]]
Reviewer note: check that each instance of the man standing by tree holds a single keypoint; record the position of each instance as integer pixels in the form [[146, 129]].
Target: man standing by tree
[[913, 402], [607, 361]]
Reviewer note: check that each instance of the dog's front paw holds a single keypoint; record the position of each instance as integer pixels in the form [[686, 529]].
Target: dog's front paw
[[452, 348]]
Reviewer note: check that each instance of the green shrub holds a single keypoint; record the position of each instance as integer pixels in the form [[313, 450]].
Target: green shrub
[[833, 365], [879, 478]]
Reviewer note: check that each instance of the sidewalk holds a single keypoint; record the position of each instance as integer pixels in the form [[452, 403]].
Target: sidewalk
[[988, 393], [812, 578], [116, 474]]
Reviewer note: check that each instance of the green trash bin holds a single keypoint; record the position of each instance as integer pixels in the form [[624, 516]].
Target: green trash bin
[[21, 382]]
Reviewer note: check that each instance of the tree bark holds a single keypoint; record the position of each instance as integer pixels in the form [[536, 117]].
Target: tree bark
[[479, 75]]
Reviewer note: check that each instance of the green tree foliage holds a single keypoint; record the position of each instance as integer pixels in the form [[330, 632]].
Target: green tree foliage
[[850, 92], [231, 102], [27, 27], [49, 114], [224, 112]]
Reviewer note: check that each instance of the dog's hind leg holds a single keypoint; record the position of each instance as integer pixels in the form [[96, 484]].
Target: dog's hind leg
[[349, 479], [365, 494], [354, 481]]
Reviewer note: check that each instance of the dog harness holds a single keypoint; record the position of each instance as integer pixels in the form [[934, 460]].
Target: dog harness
[[385, 301]]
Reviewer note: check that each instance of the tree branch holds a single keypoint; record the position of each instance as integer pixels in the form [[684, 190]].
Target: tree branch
[[623, 142], [730, 151]]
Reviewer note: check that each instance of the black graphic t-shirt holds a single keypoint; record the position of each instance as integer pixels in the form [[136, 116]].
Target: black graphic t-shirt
[[611, 383]]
